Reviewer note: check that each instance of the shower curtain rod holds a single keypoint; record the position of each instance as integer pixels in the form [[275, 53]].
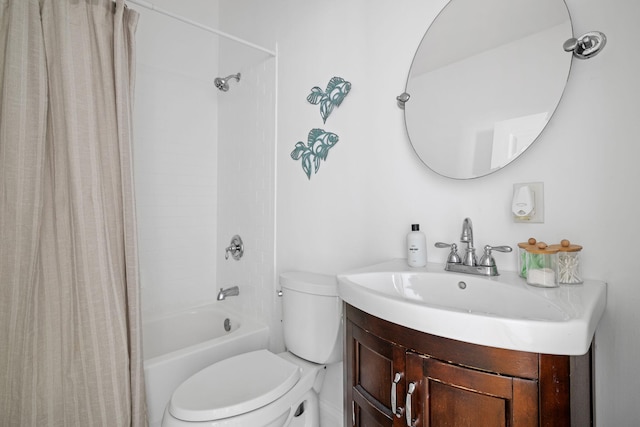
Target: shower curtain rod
[[151, 6]]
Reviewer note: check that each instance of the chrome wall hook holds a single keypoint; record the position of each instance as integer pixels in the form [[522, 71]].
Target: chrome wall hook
[[586, 46]]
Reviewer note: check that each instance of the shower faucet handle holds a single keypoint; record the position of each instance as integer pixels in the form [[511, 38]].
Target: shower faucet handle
[[236, 248]]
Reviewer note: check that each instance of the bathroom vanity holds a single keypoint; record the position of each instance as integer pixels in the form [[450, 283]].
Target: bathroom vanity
[[428, 348], [456, 383]]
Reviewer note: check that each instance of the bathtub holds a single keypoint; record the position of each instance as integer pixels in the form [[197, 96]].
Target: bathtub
[[178, 345]]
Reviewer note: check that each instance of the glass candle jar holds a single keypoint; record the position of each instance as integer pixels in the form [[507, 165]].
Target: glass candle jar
[[542, 266]]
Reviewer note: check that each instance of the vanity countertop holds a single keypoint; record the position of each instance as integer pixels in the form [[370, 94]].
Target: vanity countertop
[[501, 311]]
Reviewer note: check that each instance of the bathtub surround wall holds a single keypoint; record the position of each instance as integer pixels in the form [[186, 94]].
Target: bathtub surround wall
[[176, 155], [356, 211], [246, 183], [204, 164]]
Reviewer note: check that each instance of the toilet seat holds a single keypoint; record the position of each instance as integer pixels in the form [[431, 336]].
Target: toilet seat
[[251, 380]]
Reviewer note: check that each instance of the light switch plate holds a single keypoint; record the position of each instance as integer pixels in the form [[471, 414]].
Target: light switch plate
[[538, 192]]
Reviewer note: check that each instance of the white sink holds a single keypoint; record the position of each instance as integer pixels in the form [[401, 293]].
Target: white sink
[[500, 311]]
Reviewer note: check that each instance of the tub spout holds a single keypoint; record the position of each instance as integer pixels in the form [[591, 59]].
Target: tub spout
[[229, 292]]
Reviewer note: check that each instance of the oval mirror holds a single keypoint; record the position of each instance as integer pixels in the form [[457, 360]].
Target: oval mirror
[[485, 81]]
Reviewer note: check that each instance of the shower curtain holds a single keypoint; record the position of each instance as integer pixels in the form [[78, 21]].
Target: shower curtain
[[70, 335]]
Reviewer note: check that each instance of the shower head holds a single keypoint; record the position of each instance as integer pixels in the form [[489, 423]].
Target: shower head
[[223, 83]]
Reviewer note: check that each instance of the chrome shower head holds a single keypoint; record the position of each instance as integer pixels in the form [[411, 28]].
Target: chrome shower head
[[223, 83]]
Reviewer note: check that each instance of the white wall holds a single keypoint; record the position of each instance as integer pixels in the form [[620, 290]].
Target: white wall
[[175, 148], [358, 208]]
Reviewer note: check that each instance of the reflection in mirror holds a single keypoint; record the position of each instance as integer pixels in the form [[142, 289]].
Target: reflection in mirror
[[485, 81]]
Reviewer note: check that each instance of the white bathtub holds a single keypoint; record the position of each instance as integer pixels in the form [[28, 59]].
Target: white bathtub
[[178, 345]]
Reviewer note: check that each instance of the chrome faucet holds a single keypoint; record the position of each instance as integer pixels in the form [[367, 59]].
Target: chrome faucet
[[229, 292], [468, 264], [467, 237]]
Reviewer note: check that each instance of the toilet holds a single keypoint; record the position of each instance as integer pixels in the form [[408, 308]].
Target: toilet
[[264, 389]]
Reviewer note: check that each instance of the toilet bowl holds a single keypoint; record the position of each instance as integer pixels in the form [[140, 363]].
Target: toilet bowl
[[264, 389]]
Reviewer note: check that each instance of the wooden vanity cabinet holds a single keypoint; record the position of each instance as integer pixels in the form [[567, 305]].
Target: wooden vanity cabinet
[[455, 383]]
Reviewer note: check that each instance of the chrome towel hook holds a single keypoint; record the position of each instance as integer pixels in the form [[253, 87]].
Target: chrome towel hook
[[587, 45]]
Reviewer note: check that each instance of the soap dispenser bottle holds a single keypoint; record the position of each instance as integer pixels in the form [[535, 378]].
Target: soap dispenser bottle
[[416, 247]]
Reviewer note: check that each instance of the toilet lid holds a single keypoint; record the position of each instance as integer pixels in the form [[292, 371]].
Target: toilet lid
[[233, 386]]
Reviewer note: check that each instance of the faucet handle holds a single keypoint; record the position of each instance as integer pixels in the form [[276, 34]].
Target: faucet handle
[[487, 259], [236, 248], [453, 255], [503, 248]]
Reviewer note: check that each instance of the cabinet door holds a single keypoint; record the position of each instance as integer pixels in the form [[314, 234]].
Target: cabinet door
[[372, 365], [452, 395]]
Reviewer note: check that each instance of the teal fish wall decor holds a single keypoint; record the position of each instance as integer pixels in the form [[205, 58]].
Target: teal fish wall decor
[[316, 149], [337, 89]]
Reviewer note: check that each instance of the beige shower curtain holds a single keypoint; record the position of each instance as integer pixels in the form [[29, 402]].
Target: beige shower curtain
[[70, 338]]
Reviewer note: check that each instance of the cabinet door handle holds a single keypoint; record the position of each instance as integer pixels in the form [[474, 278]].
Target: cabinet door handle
[[353, 413], [412, 388], [394, 397]]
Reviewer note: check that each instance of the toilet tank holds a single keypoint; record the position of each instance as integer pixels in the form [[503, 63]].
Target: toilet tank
[[312, 316]]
